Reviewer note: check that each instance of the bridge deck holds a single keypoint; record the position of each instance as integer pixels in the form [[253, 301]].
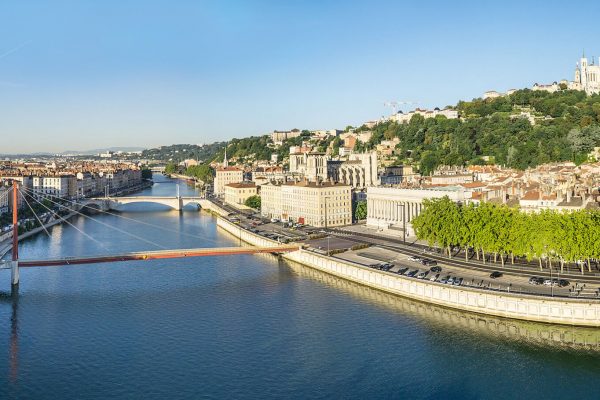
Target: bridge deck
[[162, 254]]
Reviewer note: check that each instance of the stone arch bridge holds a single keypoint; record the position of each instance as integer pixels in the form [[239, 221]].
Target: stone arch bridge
[[176, 203]]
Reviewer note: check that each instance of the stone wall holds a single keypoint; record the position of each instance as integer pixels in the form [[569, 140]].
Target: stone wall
[[511, 305], [582, 312]]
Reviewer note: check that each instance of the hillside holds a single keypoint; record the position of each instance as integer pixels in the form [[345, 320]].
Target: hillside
[[179, 152], [522, 130], [566, 126]]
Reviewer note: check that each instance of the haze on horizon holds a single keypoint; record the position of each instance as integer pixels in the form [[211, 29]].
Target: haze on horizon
[[88, 74]]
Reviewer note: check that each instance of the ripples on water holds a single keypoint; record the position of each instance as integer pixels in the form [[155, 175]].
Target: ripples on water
[[256, 327]]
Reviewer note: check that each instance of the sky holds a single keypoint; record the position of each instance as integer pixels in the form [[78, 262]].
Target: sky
[[80, 75]]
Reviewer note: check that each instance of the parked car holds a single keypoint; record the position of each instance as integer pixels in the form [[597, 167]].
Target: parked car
[[402, 271], [414, 258], [563, 283], [495, 274], [412, 273], [547, 282], [434, 278], [274, 220], [435, 269], [458, 281], [445, 279], [422, 275]]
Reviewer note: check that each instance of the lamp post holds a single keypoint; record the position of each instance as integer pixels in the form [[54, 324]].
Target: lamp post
[[403, 220]]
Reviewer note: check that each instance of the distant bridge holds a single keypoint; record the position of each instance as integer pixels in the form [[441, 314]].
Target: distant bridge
[[176, 203]]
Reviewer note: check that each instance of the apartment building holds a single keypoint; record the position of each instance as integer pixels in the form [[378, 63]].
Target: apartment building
[[311, 203], [225, 176], [238, 193], [63, 186]]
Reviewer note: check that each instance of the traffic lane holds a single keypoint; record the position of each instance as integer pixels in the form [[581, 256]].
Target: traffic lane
[[470, 277], [523, 271], [331, 243]]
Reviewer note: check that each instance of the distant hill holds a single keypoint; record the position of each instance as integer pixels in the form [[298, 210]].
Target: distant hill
[[102, 150], [179, 152]]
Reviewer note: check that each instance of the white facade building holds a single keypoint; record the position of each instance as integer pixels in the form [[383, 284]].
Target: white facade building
[[63, 186], [587, 77], [391, 208]]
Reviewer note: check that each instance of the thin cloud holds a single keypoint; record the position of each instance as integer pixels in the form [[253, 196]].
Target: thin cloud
[[14, 49]]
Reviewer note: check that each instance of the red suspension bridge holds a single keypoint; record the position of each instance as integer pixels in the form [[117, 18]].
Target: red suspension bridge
[[76, 208]]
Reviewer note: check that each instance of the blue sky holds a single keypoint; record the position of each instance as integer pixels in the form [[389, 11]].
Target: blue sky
[[89, 74]]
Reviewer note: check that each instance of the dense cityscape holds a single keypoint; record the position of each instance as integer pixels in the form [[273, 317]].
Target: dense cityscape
[[316, 200]]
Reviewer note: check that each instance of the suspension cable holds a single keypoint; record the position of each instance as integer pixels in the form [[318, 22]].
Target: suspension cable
[[147, 223], [34, 214], [70, 224], [107, 225]]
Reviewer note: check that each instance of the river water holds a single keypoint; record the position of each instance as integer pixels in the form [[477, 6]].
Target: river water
[[253, 327]]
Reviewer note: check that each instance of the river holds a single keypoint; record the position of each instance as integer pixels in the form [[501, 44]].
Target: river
[[253, 327]]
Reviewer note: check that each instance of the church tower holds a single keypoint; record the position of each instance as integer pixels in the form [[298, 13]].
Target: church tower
[[225, 161]]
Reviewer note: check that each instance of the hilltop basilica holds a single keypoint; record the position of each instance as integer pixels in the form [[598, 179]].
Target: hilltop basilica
[[587, 76]]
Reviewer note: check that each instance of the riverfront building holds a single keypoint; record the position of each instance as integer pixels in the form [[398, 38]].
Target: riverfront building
[[312, 203], [63, 186], [390, 209], [238, 193], [225, 176]]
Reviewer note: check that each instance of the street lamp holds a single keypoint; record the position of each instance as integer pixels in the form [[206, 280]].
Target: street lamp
[[403, 220]]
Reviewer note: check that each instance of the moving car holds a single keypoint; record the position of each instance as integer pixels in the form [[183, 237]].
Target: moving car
[[495, 274], [414, 258], [435, 269]]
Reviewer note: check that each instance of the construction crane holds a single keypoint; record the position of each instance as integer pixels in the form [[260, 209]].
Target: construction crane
[[394, 105]]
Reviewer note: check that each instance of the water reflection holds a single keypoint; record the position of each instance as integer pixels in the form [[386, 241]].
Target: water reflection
[[13, 347], [445, 318]]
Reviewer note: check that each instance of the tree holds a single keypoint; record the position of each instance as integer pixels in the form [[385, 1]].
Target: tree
[[253, 202], [170, 168], [146, 173], [202, 172], [360, 211]]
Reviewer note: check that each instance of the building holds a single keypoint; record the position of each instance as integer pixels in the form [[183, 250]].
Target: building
[[359, 171], [238, 193], [402, 118], [225, 176], [316, 204], [587, 76], [4, 199], [279, 136], [391, 209], [313, 166], [396, 174], [62, 186]]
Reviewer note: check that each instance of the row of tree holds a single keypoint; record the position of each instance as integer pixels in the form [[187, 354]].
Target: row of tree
[[505, 232]]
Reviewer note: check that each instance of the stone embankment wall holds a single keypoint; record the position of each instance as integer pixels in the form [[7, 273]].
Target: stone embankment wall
[[511, 305], [246, 236]]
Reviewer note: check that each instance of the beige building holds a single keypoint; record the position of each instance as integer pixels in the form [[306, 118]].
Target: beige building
[[310, 203], [313, 166], [238, 193], [225, 176]]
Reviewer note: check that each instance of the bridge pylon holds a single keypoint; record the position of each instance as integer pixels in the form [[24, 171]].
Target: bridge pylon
[[14, 263]]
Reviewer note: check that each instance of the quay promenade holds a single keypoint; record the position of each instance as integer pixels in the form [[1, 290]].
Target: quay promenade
[[557, 310]]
